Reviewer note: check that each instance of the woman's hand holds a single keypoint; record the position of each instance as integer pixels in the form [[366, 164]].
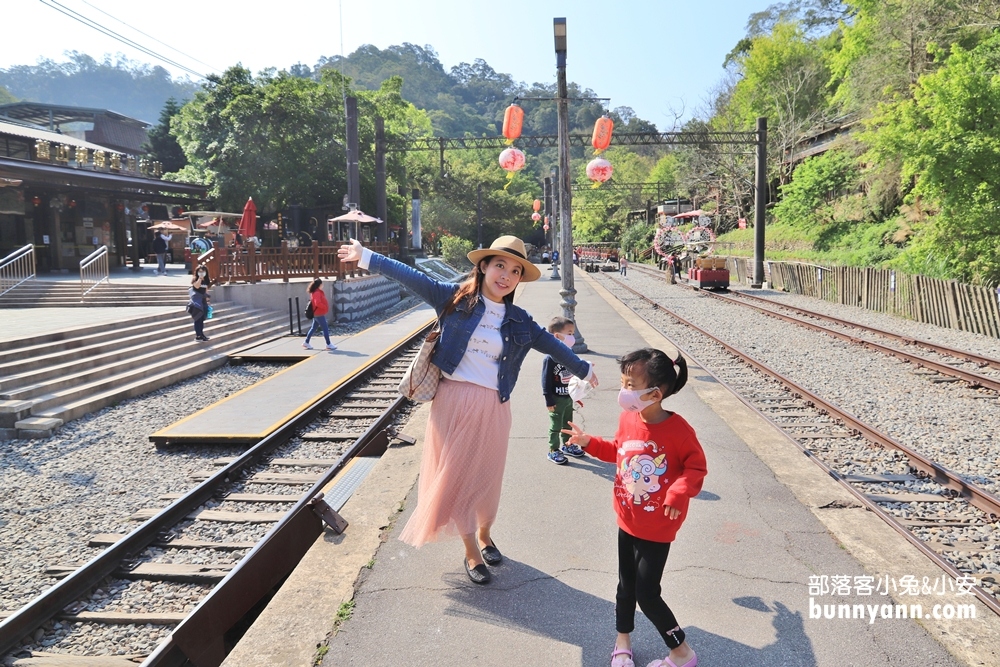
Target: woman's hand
[[576, 435], [350, 252]]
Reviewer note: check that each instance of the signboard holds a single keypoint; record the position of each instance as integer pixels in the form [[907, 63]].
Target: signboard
[[45, 239]]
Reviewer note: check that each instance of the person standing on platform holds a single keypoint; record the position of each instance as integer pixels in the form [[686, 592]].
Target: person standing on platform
[[198, 304], [623, 265], [660, 466], [484, 340], [555, 389], [160, 245], [320, 308]]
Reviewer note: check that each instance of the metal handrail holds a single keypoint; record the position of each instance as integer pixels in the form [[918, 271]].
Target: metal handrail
[[16, 268], [94, 269]]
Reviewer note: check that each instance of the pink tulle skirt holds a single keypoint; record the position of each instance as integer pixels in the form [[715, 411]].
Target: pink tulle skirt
[[461, 473]]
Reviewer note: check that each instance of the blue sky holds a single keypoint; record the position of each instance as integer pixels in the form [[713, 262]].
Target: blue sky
[[659, 57]]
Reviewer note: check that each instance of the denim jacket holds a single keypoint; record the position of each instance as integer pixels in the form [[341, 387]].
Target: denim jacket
[[520, 332]]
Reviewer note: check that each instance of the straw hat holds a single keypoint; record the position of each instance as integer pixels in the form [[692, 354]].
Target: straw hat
[[509, 246]]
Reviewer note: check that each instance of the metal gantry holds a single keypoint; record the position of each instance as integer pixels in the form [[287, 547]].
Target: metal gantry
[[755, 140]]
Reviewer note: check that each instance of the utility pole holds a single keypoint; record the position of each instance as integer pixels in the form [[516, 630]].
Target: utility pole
[[381, 202], [554, 222], [353, 173], [479, 212], [568, 291], [760, 202]]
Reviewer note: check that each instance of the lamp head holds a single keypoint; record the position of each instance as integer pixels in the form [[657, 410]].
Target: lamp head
[[559, 30]]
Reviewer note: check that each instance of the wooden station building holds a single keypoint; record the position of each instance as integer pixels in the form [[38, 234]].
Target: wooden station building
[[73, 179]]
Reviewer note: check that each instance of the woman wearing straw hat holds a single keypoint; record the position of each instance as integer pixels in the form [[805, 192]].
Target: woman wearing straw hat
[[484, 340]]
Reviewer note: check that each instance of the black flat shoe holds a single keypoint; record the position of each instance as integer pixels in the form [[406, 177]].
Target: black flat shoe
[[492, 555], [479, 574]]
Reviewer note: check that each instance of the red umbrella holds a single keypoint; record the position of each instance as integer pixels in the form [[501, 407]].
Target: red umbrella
[[248, 223]]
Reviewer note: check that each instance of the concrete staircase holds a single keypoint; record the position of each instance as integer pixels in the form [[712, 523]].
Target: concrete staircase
[[66, 294], [48, 380]]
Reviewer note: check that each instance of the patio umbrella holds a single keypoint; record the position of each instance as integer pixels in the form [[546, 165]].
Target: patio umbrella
[[248, 223], [356, 216], [167, 226]]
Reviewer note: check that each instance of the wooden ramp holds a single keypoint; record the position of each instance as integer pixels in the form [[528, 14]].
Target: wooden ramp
[[249, 416]]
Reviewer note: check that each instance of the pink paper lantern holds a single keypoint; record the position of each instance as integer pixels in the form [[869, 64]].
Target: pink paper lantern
[[512, 160], [599, 170], [535, 216]]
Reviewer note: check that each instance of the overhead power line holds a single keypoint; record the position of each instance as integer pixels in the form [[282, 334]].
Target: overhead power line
[[76, 16], [175, 50]]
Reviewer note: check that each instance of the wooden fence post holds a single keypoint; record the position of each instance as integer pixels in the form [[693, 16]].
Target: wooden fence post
[[251, 262], [315, 254]]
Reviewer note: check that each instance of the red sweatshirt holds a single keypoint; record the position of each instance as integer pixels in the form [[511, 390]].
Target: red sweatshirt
[[658, 465], [320, 306]]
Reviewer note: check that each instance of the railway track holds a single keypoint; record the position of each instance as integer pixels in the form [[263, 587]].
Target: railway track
[[279, 492], [919, 497], [950, 361]]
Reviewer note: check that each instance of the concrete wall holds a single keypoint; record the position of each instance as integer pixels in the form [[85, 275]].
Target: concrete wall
[[350, 300]]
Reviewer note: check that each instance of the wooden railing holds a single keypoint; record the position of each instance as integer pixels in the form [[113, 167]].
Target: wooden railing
[[94, 271], [16, 268], [251, 264], [946, 303]]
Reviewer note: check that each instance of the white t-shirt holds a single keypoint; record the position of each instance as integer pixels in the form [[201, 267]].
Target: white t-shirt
[[481, 362]]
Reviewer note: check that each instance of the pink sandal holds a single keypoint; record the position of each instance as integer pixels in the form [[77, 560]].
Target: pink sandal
[[667, 662], [622, 657]]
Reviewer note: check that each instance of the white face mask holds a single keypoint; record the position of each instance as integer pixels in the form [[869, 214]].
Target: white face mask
[[569, 340], [630, 399]]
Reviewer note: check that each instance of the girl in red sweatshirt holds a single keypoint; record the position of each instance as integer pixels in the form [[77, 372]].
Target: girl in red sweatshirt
[[660, 467]]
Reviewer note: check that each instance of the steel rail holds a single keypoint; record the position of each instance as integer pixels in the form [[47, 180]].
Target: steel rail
[[52, 602], [964, 355], [984, 596], [975, 379], [199, 638]]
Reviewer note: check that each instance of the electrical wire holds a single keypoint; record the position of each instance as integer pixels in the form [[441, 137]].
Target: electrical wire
[[76, 16], [115, 18]]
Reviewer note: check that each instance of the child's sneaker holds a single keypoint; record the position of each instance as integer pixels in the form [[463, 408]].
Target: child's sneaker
[[572, 450], [557, 458], [306, 346]]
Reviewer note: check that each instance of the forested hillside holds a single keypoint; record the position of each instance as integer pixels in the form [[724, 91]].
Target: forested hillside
[[128, 87], [914, 185]]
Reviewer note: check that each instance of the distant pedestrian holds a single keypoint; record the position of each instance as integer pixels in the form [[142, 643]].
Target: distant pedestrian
[[198, 302], [659, 467], [484, 340], [160, 245], [555, 389], [320, 308], [623, 265], [555, 256]]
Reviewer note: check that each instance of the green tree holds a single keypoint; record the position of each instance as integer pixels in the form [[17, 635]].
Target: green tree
[[783, 79], [946, 137], [279, 138], [162, 145], [6, 97], [805, 201]]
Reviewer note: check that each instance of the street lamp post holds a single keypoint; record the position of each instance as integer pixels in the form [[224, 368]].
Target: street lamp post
[[568, 292]]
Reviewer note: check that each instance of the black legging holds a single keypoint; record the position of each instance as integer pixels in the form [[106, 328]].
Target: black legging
[[640, 568]]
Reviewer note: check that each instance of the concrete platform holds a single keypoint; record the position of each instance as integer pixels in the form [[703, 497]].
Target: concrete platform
[[250, 415], [737, 578]]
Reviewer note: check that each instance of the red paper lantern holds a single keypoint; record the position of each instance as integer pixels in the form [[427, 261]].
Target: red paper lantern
[[513, 120], [535, 205], [72, 203], [536, 216], [602, 133], [599, 170], [545, 227]]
